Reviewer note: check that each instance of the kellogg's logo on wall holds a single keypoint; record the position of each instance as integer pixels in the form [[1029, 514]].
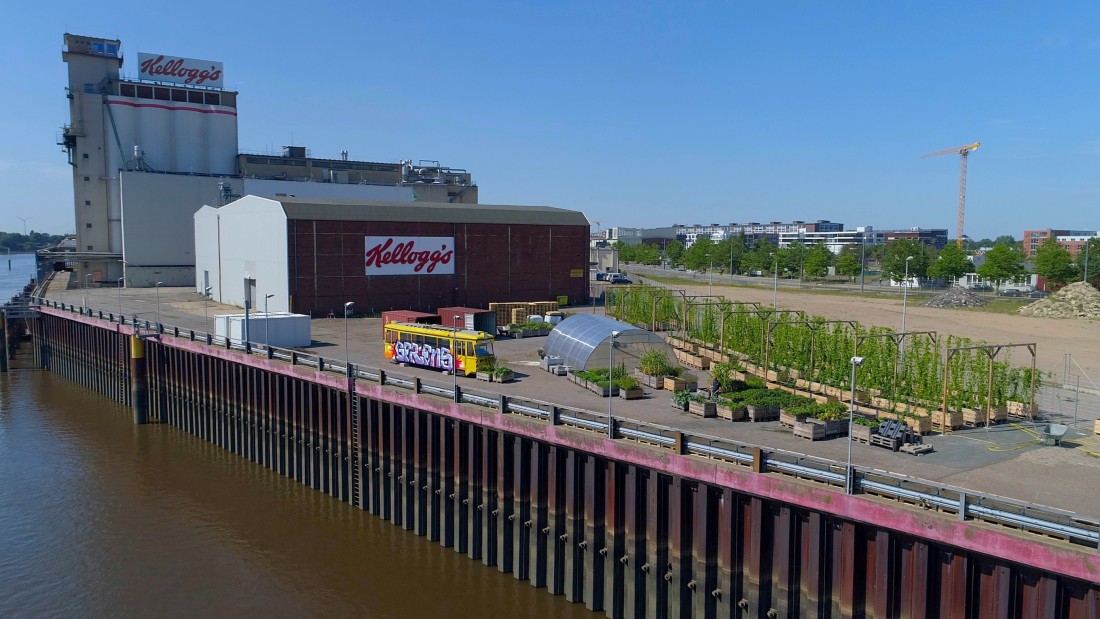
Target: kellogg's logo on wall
[[410, 255], [176, 70]]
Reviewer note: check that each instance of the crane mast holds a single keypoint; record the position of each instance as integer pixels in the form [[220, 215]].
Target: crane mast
[[964, 153]]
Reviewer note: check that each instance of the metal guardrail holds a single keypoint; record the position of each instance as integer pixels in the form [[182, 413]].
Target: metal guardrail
[[929, 495]]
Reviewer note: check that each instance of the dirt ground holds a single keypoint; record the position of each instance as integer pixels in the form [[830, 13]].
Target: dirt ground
[[1054, 337]]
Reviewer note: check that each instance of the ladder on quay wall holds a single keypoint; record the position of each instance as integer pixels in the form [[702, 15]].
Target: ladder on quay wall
[[356, 452]]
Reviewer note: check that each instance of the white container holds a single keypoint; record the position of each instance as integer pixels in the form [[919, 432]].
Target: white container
[[279, 329]]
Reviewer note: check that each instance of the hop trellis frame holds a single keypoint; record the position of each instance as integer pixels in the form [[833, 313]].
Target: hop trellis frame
[[820, 350]]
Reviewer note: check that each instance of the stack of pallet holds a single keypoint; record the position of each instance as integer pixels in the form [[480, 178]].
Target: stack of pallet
[[517, 313], [504, 312]]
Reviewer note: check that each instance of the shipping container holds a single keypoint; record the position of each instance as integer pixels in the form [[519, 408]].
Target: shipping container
[[468, 318]]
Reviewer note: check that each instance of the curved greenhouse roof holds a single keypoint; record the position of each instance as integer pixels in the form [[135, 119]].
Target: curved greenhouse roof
[[583, 341]]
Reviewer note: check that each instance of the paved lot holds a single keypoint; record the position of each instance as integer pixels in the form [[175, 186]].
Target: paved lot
[[1005, 460]]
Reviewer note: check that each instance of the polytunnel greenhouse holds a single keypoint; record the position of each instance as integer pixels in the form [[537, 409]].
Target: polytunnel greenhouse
[[583, 341]]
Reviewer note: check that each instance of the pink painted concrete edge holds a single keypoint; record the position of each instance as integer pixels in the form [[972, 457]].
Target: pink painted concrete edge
[[929, 526]]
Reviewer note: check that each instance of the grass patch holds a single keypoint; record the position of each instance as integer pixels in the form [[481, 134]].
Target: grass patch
[[1002, 306]]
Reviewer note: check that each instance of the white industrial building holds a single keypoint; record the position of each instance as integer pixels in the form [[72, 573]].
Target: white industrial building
[[150, 147]]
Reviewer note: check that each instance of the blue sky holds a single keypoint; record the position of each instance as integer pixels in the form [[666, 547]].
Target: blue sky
[[638, 114]]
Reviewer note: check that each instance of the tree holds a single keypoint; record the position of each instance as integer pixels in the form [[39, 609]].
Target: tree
[[1054, 263], [1008, 240], [1002, 263], [818, 260], [893, 263], [760, 258], [700, 254], [1093, 255], [674, 252], [847, 263], [952, 263]]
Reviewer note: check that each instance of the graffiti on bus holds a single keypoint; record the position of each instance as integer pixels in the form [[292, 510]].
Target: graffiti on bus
[[423, 354]]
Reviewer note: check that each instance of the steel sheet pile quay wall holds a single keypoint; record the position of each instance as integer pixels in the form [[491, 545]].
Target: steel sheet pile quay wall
[[631, 529]]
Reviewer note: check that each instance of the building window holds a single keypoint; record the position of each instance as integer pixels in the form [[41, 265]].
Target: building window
[[87, 178], [87, 203], [212, 98], [145, 92], [162, 94], [127, 90], [194, 96], [90, 248], [88, 225], [179, 95], [85, 155]]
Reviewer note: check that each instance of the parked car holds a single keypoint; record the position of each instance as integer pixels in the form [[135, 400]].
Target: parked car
[[601, 276], [618, 278], [982, 287], [1010, 292], [1038, 294]]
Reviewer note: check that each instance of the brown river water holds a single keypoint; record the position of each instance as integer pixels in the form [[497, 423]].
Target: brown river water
[[99, 517]]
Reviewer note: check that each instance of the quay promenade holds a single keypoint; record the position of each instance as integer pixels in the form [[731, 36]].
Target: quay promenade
[[1005, 460]]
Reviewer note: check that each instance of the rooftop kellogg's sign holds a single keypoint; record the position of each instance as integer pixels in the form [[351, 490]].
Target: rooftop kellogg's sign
[[410, 255], [178, 70]]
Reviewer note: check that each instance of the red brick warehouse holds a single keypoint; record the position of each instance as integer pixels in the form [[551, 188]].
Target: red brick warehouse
[[390, 255]]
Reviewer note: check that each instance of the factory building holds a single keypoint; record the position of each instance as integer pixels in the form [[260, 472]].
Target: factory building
[[150, 146], [312, 256]]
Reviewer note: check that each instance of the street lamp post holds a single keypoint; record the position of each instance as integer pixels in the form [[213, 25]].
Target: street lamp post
[[159, 284], [775, 283], [862, 258], [267, 319], [710, 275], [454, 357], [904, 298], [347, 353], [206, 308], [856, 362], [120, 298], [611, 382]]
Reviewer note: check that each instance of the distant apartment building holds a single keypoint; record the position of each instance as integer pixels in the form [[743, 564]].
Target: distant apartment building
[[934, 237], [1071, 240], [635, 236], [753, 231]]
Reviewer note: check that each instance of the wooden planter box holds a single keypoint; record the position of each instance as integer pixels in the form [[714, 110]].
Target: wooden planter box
[[736, 413], [802, 383], [999, 414], [631, 394], [812, 431], [674, 384], [703, 409], [594, 388], [787, 419], [920, 425], [1096, 427], [485, 376], [693, 360], [506, 377], [677, 406], [832, 428], [762, 413], [972, 417], [863, 433], [653, 382], [1016, 409], [954, 419]]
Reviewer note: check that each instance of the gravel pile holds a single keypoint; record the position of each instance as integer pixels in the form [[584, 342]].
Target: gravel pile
[[956, 297], [1079, 300]]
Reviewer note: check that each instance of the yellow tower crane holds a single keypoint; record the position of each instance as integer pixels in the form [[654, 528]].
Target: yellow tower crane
[[963, 152]]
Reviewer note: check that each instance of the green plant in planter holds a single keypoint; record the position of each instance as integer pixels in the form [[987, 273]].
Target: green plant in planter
[[681, 397], [626, 382], [501, 371], [654, 362], [863, 421]]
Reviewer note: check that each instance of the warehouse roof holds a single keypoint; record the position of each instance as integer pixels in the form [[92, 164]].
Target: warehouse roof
[[441, 212]]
